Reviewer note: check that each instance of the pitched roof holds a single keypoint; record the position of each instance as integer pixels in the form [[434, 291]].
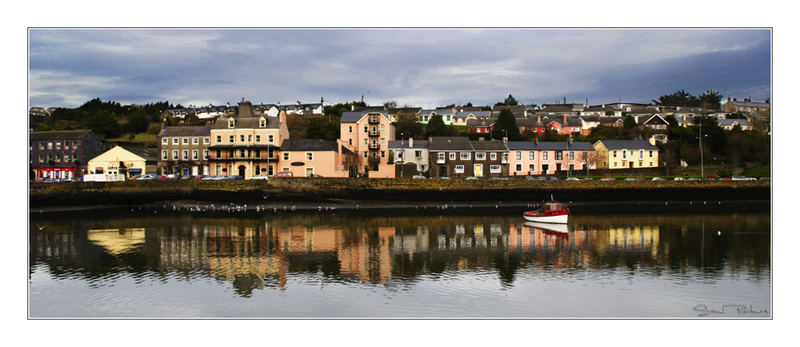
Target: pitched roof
[[185, 131], [443, 143], [475, 113], [308, 145], [480, 123], [355, 116], [492, 145], [628, 144], [149, 154], [246, 122], [550, 146], [59, 134], [742, 122], [404, 144]]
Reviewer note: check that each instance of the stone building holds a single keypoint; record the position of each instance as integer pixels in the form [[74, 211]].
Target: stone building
[[184, 150], [62, 154]]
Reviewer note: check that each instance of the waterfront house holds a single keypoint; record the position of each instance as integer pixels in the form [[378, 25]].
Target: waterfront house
[[244, 144], [480, 126], [119, 163], [746, 106], [657, 125], [626, 154], [367, 134], [315, 158], [729, 124], [546, 158], [411, 151], [62, 154], [565, 125], [460, 157], [184, 150]]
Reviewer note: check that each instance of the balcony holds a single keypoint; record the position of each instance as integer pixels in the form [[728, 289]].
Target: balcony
[[374, 146], [374, 133], [374, 119]]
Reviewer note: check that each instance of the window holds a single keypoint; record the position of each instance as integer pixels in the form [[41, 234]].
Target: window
[[219, 154], [174, 154], [309, 156], [194, 154], [480, 156], [624, 154], [230, 138], [505, 157], [383, 141], [41, 146], [559, 155], [366, 142], [571, 155], [651, 163], [164, 155], [165, 141], [440, 157], [365, 129], [219, 138], [519, 156], [383, 154], [40, 158], [269, 138], [398, 155], [366, 155], [249, 138], [350, 142], [544, 155], [494, 169], [242, 154], [452, 156], [531, 167], [205, 154], [58, 145], [185, 155], [195, 141], [258, 138], [66, 158], [175, 140], [418, 154], [459, 169], [309, 172], [519, 167], [205, 140], [641, 154], [465, 156], [241, 138], [350, 129], [614, 153], [257, 153], [651, 154], [285, 155], [185, 140], [531, 155], [231, 124], [262, 123]]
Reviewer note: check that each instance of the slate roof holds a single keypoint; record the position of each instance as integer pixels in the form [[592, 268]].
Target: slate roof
[[185, 131], [571, 120], [549, 146], [404, 144], [492, 145], [355, 116], [445, 143], [246, 122], [444, 110], [628, 144], [480, 123], [59, 134], [751, 104], [149, 154], [476, 113], [308, 145], [729, 122]]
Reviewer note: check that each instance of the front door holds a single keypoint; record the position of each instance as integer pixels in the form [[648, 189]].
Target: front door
[[545, 168], [478, 170], [241, 170], [443, 171]]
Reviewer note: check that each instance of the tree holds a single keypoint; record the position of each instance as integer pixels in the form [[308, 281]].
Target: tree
[[407, 126], [678, 98], [390, 104], [103, 123], [506, 126], [508, 101], [710, 100], [138, 121], [436, 127]]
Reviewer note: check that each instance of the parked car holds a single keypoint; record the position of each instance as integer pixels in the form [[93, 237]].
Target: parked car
[[588, 179], [444, 178], [134, 178], [148, 177], [421, 177], [629, 179], [258, 177], [208, 178], [530, 178], [572, 179], [607, 179], [553, 178], [763, 178], [678, 179], [742, 178], [284, 174], [541, 178], [693, 179], [167, 177], [725, 179], [499, 178], [657, 179], [471, 178]]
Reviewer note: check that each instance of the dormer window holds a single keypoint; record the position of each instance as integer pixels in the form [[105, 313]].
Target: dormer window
[[262, 123], [231, 123]]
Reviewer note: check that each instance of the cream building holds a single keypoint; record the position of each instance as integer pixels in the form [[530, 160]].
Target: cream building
[[124, 162], [626, 154]]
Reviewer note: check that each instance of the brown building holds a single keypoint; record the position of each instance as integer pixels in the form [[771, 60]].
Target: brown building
[[62, 154], [184, 150], [460, 157]]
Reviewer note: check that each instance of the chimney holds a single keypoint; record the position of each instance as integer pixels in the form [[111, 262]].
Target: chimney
[[539, 118], [565, 119], [282, 117], [410, 142]]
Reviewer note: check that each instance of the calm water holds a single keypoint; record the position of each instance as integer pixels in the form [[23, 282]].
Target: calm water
[[449, 266]]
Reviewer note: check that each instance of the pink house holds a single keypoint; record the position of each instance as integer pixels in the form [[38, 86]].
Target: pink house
[[547, 158], [314, 158], [367, 134]]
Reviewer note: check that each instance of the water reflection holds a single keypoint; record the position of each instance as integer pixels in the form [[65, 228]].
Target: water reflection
[[253, 254]]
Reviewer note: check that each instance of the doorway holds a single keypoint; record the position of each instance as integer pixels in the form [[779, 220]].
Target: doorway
[[241, 170]]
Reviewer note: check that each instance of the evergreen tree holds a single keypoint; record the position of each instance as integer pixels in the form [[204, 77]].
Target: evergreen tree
[[506, 121]]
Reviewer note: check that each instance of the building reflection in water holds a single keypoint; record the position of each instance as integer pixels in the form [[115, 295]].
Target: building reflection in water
[[254, 254]]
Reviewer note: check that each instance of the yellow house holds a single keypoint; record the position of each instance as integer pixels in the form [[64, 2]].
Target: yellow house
[[626, 154], [122, 161]]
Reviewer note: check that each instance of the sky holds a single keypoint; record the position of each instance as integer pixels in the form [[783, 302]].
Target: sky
[[415, 67]]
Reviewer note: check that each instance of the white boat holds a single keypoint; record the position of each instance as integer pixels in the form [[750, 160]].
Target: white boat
[[551, 212]]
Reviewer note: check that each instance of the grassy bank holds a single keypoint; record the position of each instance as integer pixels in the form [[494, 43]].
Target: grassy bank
[[388, 190]]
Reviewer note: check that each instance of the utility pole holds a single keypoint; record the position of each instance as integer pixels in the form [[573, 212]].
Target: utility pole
[[701, 150], [402, 155]]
